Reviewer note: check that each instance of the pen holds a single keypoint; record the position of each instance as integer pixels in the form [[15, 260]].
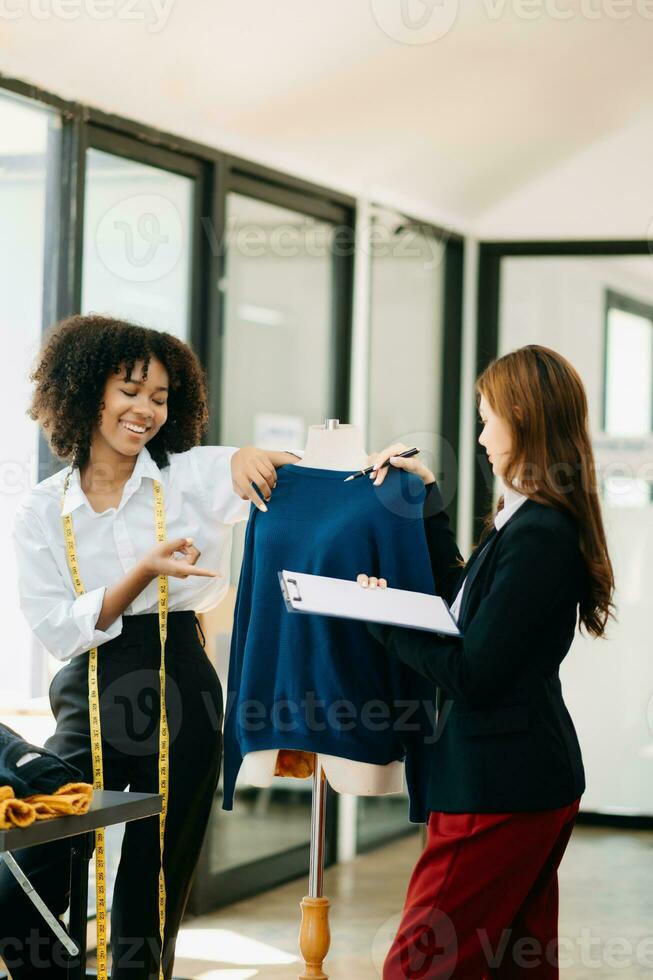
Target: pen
[[355, 476]]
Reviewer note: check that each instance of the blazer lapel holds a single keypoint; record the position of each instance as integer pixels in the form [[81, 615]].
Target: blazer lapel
[[477, 559], [475, 564]]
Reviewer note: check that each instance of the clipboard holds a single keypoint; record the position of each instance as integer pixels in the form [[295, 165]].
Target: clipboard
[[346, 599]]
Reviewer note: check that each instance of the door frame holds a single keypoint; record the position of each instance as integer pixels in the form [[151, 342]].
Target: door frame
[[487, 318]]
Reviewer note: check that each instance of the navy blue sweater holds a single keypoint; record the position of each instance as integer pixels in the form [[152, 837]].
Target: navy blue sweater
[[317, 683]]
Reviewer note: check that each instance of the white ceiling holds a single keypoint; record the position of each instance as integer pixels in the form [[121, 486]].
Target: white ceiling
[[468, 129]]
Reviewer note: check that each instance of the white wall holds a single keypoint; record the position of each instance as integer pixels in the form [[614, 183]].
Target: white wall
[[602, 192]]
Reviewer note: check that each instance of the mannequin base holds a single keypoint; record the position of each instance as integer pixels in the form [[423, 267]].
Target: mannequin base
[[314, 937]]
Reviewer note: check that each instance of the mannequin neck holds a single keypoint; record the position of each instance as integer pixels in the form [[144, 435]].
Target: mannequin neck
[[335, 449]]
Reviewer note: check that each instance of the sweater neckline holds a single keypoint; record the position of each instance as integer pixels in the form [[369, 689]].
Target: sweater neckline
[[316, 471]]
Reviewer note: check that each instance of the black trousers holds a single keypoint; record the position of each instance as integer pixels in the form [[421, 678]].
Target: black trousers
[[128, 681]]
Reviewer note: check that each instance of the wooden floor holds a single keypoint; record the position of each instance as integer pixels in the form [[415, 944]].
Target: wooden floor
[[606, 916]]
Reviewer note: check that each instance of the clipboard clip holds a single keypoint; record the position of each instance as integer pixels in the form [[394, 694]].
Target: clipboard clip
[[298, 596], [285, 583]]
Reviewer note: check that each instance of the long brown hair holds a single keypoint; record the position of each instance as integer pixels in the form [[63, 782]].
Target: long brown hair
[[541, 397]]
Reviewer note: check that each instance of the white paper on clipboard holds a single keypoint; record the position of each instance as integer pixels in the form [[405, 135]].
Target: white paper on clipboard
[[346, 599]]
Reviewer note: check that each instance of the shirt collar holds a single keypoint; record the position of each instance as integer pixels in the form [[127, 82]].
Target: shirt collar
[[512, 501], [145, 467]]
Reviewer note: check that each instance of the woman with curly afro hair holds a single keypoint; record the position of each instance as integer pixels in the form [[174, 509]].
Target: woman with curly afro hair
[[126, 408]]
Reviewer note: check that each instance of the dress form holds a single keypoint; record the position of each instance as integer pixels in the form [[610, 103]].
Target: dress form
[[331, 447]]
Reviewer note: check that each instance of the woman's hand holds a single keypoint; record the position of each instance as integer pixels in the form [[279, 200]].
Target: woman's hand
[[279, 457], [161, 561], [251, 465], [371, 581], [411, 463]]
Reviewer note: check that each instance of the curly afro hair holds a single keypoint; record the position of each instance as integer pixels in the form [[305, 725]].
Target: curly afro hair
[[77, 357]]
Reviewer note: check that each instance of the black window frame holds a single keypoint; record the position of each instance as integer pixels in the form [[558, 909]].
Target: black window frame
[[488, 300]]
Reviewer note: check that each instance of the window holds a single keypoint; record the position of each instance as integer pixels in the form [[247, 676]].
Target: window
[[407, 374], [281, 372], [138, 222], [628, 394], [30, 143]]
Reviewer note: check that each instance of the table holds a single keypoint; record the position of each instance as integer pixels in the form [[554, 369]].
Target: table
[[107, 807]]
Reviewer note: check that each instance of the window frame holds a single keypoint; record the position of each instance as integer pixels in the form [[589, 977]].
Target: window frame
[[627, 304], [488, 303]]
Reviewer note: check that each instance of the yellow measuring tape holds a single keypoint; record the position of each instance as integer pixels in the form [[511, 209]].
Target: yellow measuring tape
[[96, 735]]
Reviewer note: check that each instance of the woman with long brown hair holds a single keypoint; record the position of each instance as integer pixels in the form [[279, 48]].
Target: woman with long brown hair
[[506, 772]]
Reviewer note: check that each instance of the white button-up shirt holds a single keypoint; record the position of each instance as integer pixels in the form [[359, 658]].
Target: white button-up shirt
[[512, 501], [200, 503]]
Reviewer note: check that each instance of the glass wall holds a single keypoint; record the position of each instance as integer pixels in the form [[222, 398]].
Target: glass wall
[[278, 335], [277, 380], [406, 334], [598, 312], [138, 224], [406, 375], [28, 167], [136, 263]]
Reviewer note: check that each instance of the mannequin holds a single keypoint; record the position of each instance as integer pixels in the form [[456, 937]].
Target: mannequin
[[278, 660], [329, 447]]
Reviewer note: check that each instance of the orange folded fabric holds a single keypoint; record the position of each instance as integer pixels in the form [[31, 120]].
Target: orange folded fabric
[[294, 763], [13, 812], [72, 799]]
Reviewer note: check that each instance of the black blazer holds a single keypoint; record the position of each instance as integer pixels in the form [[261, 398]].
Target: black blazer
[[505, 739]]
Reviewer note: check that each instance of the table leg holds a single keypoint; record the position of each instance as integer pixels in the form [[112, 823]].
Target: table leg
[[80, 856]]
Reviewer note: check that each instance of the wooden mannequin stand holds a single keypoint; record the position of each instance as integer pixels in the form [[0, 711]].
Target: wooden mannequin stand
[[315, 934]]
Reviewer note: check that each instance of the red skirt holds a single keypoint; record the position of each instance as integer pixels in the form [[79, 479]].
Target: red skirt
[[482, 901]]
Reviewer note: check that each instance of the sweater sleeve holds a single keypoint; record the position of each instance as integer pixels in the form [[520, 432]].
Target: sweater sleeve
[[441, 543], [532, 568], [416, 508]]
